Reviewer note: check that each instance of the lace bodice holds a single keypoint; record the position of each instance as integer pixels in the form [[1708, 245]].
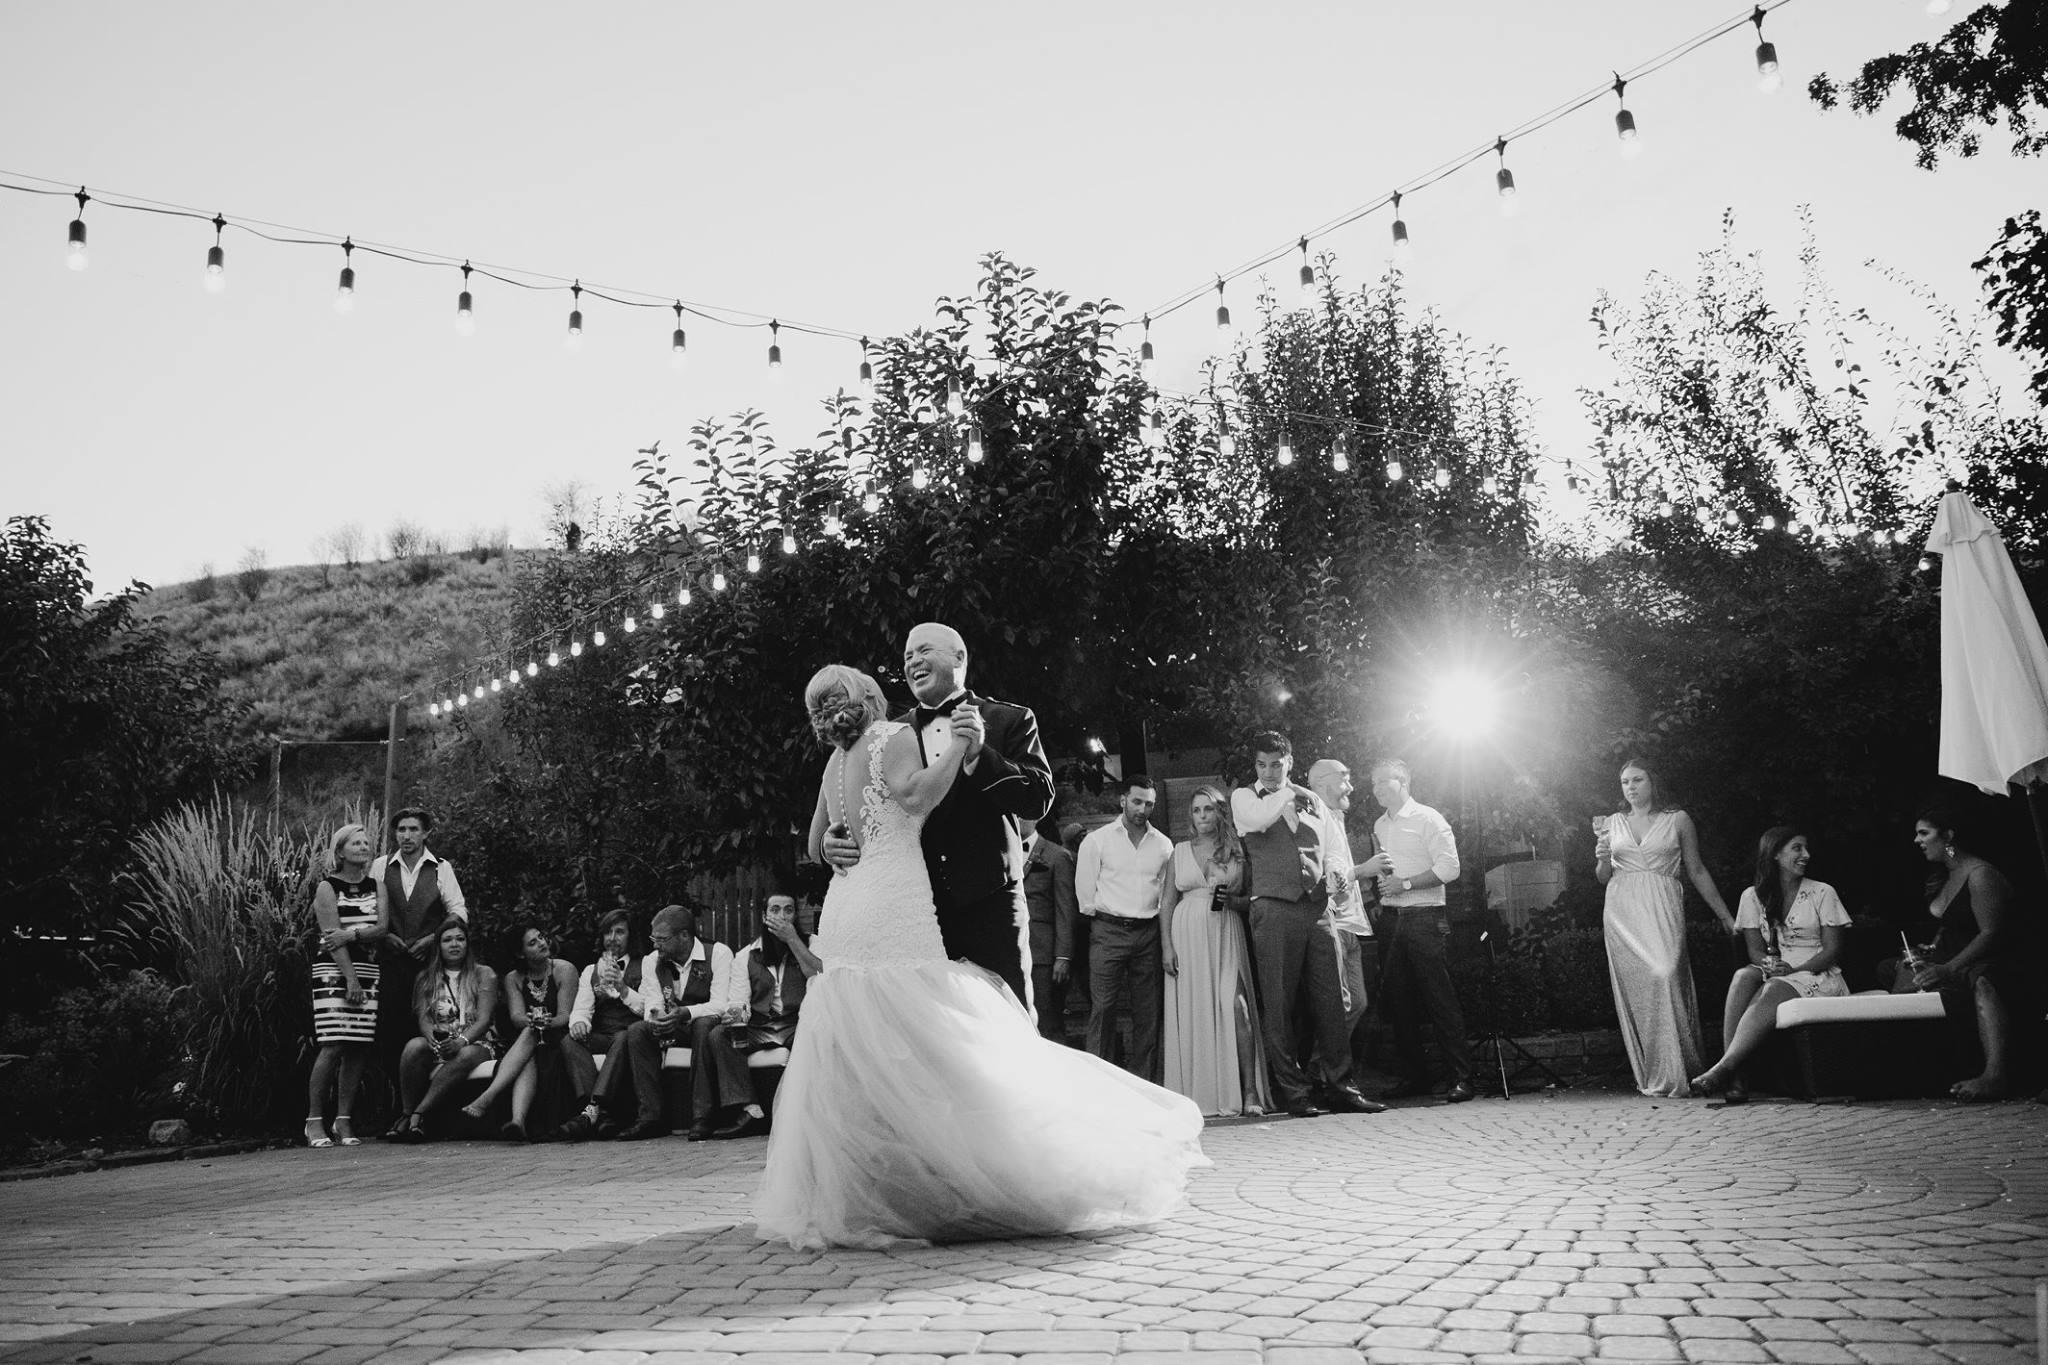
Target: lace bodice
[[880, 913]]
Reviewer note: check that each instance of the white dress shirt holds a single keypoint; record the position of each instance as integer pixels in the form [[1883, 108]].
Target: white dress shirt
[[1418, 840], [409, 877], [1113, 876], [1347, 906]]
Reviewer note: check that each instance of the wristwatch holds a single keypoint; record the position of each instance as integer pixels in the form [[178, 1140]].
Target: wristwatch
[[1407, 884]]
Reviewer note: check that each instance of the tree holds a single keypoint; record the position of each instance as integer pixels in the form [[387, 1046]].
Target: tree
[[104, 722], [1991, 67]]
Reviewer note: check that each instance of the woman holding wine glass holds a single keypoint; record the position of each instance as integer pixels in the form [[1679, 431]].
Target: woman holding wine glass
[[1793, 928], [538, 995], [1638, 854], [455, 1002]]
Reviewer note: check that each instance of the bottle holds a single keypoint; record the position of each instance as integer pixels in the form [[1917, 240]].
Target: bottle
[[1913, 958]]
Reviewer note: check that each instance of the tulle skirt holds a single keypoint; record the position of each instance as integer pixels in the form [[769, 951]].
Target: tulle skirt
[[921, 1105]]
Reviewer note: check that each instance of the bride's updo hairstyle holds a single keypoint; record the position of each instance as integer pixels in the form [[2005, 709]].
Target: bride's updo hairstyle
[[843, 702]]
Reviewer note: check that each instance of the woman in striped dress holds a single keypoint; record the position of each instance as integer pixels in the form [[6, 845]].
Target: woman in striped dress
[[349, 904]]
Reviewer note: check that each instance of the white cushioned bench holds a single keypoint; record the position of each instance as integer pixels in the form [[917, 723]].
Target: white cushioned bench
[[675, 1086], [1870, 1046], [674, 1059]]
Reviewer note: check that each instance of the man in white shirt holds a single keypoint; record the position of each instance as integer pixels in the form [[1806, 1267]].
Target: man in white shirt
[[1281, 824], [1418, 857], [1336, 959], [1119, 879], [421, 891], [683, 979]]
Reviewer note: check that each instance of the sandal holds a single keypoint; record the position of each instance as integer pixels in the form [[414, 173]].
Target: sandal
[[316, 1134], [344, 1132], [410, 1129]]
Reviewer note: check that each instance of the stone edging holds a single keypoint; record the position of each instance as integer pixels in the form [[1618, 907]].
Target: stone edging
[[142, 1156]]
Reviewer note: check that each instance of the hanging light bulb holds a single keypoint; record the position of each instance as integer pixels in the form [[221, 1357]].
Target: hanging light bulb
[[1394, 471], [1770, 523], [597, 639], [1146, 363], [1308, 272], [532, 669], [1400, 228], [629, 625], [497, 683], [512, 678], [775, 345], [956, 402], [834, 527], [1729, 518], [1768, 76], [1490, 485], [217, 259], [1504, 181], [345, 287], [1443, 476], [1222, 309], [1665, 507], [74, 245], [788, 543], [683, 597], [433, 708], [656, 610], [975, 452], [1925, 564], [1625, 123], [718, 580], [554, 659], [867, 370], [465, 307], [1340, 454], [919, 479], [479, 693], [679, 342], [462, 699], [871, 502], [575, 649], [753, 562], [1284, 455], [1226, 446], [574, 339], [1901, 536]]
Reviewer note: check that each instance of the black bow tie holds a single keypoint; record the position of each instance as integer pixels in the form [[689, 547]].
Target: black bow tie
[[927, 714]]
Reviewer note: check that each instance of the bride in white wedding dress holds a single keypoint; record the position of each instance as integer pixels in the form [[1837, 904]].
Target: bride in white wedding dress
[[920, 1104]]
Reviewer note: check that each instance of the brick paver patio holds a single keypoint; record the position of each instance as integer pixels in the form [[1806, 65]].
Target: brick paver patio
[[1571, 1228]]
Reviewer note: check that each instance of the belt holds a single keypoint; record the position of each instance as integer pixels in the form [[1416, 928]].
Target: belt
[[1125, 919]]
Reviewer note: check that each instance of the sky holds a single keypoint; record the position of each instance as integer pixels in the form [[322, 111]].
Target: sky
[[832, 164]]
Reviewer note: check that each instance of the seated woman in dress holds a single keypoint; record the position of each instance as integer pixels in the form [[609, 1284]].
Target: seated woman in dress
[[349, 905], [454, 1003], [1638, 856], [1793, 929], [539, 993], [1212, 1049], [1974, 960], [607, 1004]]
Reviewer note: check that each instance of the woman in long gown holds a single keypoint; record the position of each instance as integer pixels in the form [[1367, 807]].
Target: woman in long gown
[[920, 1104], [1212, 1049], [1638, 856]]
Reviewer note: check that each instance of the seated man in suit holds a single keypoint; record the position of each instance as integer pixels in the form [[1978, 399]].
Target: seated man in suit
[[1049, 895], [762, 1000]]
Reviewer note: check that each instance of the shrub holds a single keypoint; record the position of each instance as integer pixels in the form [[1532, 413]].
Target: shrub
[[1576, 980], [220, 908], [203, 588], [254, 574], [1516, 994], [101, 1059]]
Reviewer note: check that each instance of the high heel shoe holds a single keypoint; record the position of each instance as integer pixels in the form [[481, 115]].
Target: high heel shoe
[[345, 1132], [316, 1134]]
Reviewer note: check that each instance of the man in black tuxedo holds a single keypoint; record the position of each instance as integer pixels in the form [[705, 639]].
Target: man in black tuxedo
[[971, 845]]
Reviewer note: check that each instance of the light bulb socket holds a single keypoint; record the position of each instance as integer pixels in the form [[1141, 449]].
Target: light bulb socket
[[1504, 183], [678, 343], [347, 283], [1625, 125], [216, 259], [867, 374], [1400, 235], [1222, 317], [1145, 355], [464, 304], [1308, 276], [76, 240], [575, 322], [775, 357]]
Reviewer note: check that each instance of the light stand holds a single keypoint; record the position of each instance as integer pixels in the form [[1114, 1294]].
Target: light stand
[[1500, 1041]]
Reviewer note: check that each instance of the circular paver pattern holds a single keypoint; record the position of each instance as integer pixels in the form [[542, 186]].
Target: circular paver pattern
[[1572, 1227]]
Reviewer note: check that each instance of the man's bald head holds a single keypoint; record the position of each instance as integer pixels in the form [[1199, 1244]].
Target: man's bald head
[[1331, 780], [934, 661]]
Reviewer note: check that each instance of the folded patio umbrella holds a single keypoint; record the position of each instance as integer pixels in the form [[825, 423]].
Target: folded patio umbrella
[[1994, 662]]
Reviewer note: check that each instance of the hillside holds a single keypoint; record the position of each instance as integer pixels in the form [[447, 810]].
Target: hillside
[[321, 651]]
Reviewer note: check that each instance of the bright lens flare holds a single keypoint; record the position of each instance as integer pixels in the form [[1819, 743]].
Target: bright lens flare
[[1467, 706]]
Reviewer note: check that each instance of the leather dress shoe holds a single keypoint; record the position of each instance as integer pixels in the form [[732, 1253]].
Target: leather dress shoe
[[644, 1129], [700, 1131], [1460, 1092], [1347, 1099], [576, 1129], [749, 1125], [1305, 1109]]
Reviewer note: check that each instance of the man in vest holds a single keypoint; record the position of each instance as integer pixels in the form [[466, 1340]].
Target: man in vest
[[762, 1001], [423, 895], [607, 1004], [1281, 824], [1049, 894], [684, 979]]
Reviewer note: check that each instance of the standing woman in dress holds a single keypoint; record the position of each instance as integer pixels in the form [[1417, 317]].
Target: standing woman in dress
[[454, 1004], [1637, 857], [349, 904], [1793, 927], [1212, 1048]]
